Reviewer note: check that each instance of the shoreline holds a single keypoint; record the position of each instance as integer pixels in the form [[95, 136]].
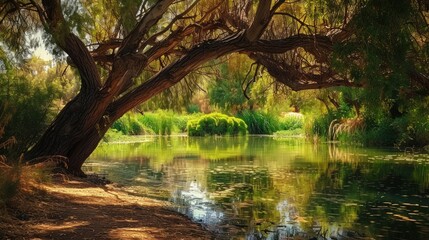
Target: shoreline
[[74, 208]]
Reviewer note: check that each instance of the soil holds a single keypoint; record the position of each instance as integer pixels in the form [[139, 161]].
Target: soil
[[74, 208]]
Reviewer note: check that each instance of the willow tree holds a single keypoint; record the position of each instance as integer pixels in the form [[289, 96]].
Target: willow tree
[[128, 51]]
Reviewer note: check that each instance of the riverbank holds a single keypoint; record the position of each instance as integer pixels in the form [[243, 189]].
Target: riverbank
[[74, 208]]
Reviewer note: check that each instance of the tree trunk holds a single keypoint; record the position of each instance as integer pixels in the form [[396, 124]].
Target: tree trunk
[[70, 135]]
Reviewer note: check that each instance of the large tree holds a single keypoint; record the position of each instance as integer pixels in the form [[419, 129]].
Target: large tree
[[128, 51]]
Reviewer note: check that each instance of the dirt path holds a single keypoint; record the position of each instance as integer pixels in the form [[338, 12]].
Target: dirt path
[[79, 209]]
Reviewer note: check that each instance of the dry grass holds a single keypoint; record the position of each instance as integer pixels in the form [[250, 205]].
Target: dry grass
[[72, 208], [345, 126]]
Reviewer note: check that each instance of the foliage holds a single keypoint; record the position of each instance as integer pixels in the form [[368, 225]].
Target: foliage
[[385, 125], [28, 101], [181, 121], [385, 46], [320, 125], [226, 92], [161, 122], [9, 176], [216, 124], [259, 122], [13, 175], [291, 121], [400, 132], [193, 108], [129, 124], [289, 133]]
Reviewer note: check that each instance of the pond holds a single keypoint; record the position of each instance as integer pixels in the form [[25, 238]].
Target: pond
[[267, 188]]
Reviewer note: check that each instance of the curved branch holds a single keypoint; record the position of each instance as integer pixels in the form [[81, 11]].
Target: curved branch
[[177, 70], [297, 80], [318, 45], [212, 49], [132, 41], [71, 44]]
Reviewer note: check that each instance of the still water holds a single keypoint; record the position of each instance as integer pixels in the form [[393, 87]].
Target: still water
[[267, 188]]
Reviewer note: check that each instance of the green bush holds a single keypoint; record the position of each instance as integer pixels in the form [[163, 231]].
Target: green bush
[[193, 108], [129, 125], [401, 131], [161, 122], [181, 121], [259, 122], [150, 120], [320, 125], [291, 122], [30, 111], [216, 124]]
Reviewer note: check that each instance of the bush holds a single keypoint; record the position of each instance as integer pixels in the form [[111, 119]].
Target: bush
[[259, 122], [321, 125], [216, 124], [291, 121], [30, 110], [129, 125], [181, 122], [401, 131], [193, 108], [161, 122]]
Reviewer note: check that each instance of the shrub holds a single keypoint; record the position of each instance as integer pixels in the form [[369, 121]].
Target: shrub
[[259, 122], [193, 108], [180, 122], [150, 120], [129, 125], [291, 121], [216, 124], [320, 125], [161, 122]]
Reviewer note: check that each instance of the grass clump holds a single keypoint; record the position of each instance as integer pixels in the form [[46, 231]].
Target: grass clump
[[216, 124], [291, 121], [259, 122], [160, 122], [297, 132]]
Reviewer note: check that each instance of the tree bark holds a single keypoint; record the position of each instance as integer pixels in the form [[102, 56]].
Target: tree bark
[[70, 135]]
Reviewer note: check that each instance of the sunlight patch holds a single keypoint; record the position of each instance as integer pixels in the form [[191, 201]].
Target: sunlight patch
[[135, 233], [56, 227]]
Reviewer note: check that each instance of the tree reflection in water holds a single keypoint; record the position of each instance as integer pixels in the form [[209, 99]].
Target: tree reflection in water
[[263, 188]]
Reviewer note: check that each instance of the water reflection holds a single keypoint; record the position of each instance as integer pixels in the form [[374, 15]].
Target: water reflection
[[263, 188]]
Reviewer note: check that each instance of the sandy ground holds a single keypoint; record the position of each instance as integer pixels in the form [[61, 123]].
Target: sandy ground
[[72, 208]]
